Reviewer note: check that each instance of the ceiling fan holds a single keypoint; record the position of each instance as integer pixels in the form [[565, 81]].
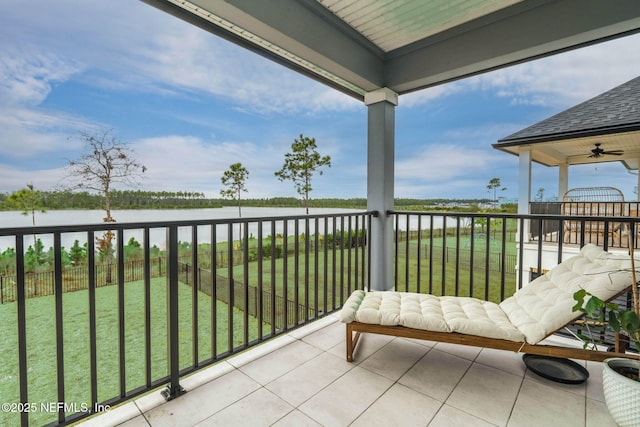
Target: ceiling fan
[[599, 152]]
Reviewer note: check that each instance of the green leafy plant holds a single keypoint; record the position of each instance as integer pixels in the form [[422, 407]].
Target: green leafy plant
[[620, 320]]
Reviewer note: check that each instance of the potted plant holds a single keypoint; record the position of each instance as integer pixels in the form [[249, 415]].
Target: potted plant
[[620, 376]]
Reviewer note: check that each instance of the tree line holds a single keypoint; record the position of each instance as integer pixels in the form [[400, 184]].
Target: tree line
[[107, 162], [138, 199], [125, 199]]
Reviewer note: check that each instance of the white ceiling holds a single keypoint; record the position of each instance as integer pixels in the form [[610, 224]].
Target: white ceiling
[[393, 24], [358, 46]]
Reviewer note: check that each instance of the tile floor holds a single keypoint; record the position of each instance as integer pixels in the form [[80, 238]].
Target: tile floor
[[303, 379]]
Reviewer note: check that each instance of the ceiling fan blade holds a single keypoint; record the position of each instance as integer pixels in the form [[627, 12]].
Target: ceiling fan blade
[[614, 152]]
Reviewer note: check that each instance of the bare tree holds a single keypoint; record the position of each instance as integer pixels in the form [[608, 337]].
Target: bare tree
[[300, 165], [106, 162]]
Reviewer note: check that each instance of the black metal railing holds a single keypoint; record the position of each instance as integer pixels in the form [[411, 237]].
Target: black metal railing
[[80, 338], [456, 254], [580, 229], [490, 256]]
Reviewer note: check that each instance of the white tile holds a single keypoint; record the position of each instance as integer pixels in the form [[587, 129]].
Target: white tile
[[139, 421], [542, 405], [314, 326], [465, 351], [367, 345], [487, 393], [346, 398], [260, 350], [436, 374], [507, 361], [579, 389], [327, 337], [594, 383], [399, 406], [425, 343], [339, 350], [453, 417], [206, 375], [198, 379], [114, 416], [598, 415], [395, 358], [261, 408], [309, 378], [273, 365], [204, 401], [296, 419]]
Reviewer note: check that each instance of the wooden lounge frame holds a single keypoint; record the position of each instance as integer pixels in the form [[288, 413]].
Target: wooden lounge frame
[[355, 329]]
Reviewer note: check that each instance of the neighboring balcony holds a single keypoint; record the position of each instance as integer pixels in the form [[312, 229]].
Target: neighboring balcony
[[167, 300]]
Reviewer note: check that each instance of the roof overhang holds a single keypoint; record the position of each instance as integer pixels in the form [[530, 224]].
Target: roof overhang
[[359, 46], [611, 119], [573, 149]]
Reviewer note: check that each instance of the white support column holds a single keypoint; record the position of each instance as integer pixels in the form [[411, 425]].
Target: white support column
[[638, 184], [524, 188], [380, 182], [524, 180], [563, 179]]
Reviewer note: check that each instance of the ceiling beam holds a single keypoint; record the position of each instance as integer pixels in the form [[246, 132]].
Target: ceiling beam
[[518, 33], [307, 37], [299, 28]]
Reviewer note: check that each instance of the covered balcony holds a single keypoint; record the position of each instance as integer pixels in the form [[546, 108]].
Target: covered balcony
[[302, 379], [199, 335], [252, 324]]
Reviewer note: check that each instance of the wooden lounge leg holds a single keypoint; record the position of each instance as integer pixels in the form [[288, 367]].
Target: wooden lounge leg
[[349, 343], [352, 341], [621, 343]]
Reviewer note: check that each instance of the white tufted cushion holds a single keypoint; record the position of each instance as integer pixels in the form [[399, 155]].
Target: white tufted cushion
[[545, 305], [478, 317], [531, 314]]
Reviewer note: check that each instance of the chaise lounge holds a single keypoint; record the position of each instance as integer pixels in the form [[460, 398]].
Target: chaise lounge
[[518, 323]]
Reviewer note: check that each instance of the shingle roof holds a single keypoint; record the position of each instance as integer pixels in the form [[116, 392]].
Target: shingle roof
[[617, 110]]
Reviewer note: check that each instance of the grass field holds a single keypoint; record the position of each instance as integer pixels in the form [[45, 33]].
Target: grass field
[[460, 277], [324, 276], [41, 343]]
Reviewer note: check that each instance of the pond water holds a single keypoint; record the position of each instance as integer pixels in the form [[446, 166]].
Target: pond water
[[157, 236]]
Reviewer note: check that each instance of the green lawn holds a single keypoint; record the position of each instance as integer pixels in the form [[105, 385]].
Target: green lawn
[[41, 343], [458, 277], [323, 276]]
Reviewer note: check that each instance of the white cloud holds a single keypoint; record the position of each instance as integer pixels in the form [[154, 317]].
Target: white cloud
[[422, 97], [445, 162], [565, 79], [27, 79], [135, 47], [557, 81], [14, 178], [184, 162], [130, 47]]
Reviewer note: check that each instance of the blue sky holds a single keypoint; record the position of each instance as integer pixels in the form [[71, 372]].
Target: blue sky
[[190, 104]]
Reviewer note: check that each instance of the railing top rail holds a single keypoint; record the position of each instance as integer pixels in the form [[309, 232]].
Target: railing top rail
[[518, 216], [72, 228]]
